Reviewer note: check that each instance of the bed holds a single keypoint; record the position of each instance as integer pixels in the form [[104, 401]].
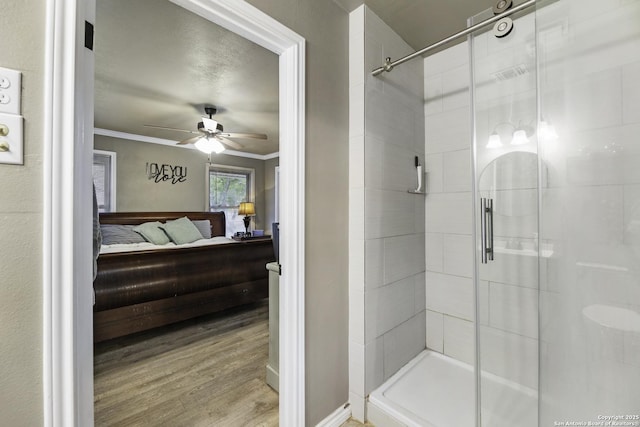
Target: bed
[[146, 288]]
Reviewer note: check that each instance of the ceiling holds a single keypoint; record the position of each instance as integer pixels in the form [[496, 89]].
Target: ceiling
[[423, 22], [158, 64]]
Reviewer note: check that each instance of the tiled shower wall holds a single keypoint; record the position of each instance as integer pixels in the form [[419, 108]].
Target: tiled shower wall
[[387, 258], [449, 249]]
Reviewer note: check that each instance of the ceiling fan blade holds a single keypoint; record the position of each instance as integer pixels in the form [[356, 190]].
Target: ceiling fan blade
[[244, 135], [190, 140], [168, 128], [230, 143]]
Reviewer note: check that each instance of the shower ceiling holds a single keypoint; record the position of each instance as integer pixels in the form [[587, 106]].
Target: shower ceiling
[[423, 22]]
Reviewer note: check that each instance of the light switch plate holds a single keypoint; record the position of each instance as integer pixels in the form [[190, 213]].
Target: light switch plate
[[13, 141], [10, 91]]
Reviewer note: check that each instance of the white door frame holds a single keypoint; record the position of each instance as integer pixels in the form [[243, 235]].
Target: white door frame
[[68, 144]]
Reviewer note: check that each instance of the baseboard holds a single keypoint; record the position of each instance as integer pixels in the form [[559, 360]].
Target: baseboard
[[337, 417], [273, 378]]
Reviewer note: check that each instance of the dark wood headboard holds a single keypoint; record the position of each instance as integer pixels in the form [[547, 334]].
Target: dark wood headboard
[[133, 218]]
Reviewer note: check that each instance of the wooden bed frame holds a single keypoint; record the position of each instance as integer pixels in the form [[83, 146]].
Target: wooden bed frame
[[136, 291]]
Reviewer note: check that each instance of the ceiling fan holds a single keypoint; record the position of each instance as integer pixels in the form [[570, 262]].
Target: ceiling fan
[[211, 137]]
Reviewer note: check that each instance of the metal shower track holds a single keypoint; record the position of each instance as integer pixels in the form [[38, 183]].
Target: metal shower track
[[388, 66]]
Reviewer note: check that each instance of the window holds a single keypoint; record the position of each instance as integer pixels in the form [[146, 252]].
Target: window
[[228, 186], [104, 179]]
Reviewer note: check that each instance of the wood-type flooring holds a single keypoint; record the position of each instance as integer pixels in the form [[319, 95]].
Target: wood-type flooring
[[206, 372]]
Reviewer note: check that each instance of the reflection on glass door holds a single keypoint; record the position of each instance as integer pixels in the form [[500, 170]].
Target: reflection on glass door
[[589, 85], [506, 198]]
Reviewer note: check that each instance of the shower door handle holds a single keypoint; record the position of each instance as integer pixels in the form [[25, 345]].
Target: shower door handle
[[486, 229]]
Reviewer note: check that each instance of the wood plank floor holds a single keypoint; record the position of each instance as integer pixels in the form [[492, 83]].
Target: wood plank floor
[[209, 372]]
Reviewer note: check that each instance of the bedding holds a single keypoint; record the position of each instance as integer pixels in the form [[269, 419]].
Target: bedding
[[148, 246], [140, 285]]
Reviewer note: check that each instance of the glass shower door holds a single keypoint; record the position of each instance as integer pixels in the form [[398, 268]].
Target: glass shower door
[[506, 205], [589, 86]]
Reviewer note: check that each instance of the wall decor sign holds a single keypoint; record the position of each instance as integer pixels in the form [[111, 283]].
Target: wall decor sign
[[161, 173]]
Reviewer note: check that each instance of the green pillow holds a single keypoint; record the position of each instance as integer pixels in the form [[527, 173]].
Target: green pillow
[[152, 232], [181, 230]]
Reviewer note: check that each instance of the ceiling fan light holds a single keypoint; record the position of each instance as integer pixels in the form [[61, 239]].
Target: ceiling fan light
[[209, 145]]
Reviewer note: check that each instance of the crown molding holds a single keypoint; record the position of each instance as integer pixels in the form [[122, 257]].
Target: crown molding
[[172, 143]]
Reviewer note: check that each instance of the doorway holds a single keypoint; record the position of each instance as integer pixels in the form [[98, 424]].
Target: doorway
[[67, 309]]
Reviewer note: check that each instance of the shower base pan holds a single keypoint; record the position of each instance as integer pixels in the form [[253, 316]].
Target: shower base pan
[[434, 390]]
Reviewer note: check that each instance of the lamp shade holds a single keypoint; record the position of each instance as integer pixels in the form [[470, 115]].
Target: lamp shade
[[246, 208]]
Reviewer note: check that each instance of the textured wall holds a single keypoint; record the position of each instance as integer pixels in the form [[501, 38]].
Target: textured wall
[[22, 46], [325, 27], [135, 192]]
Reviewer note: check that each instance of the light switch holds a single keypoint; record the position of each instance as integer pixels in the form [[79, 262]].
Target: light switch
[[11, 142], [10, 90]]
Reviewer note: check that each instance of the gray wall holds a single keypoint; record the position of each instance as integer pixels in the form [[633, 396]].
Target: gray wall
[[135, 192], [325, 27], [22, 25]]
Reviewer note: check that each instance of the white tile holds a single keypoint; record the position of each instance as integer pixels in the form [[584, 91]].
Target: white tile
[[509, 356], [374, 162], [356, 374], [356, 317], [356, 213], [399, 168], [435, 331], [632, 349], [357, 404], [434, 251], [356, 161], [356, 110], [596, 100], [356, 264], [448, 131], [457, 171], [514, 309], [447, 59], [458, 255], [455, 88], [389, 213], [459, 339], [452, 295], [515, 213], [433, 95], [597, 209], [420, 205], [388, 307], [356, 57], [419, 299], [449, 213], [631, 93], [403, 343], [483, 302], [632, 215], [374, 365], [606, 42], [511, 268], [404, 256], [374, 263], [433, 167]]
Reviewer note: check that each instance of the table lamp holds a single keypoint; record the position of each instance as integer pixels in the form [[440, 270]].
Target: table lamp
[[247, 209]]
